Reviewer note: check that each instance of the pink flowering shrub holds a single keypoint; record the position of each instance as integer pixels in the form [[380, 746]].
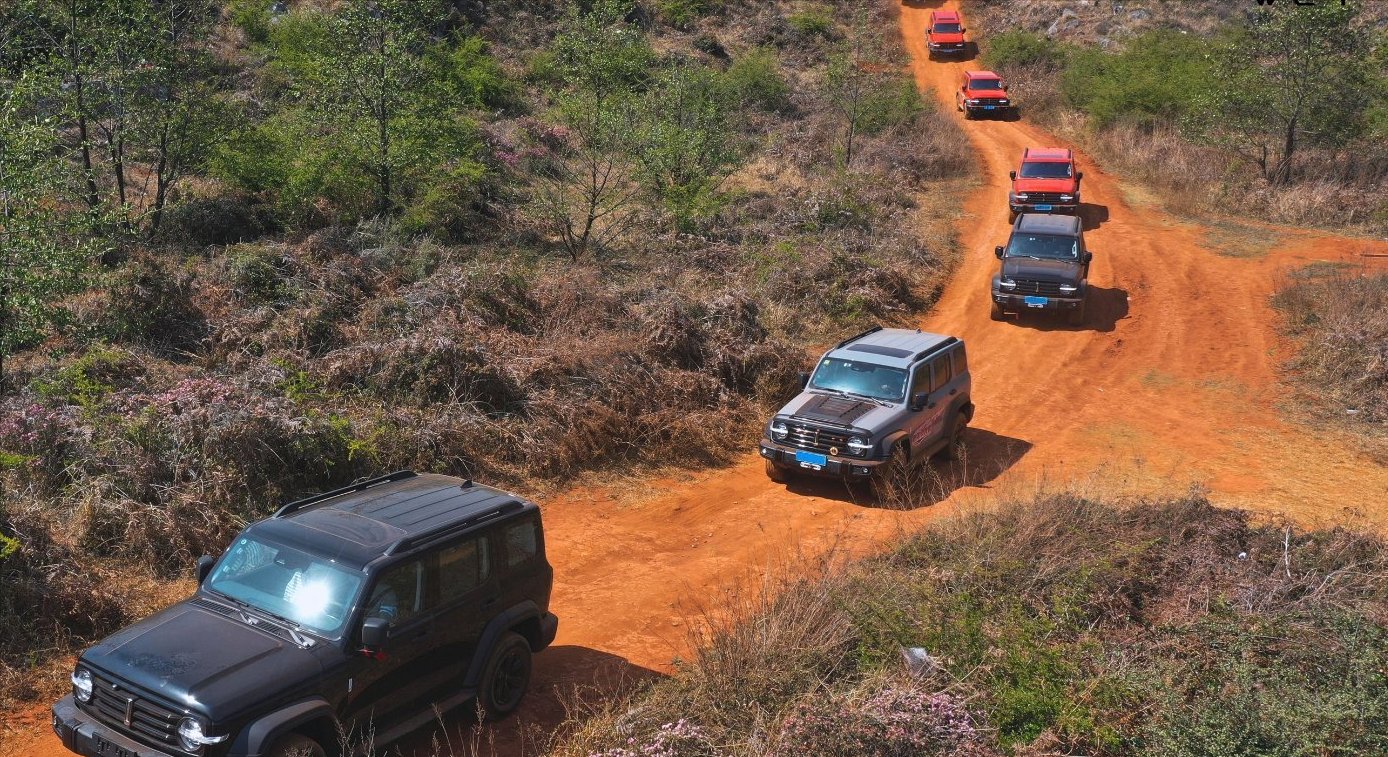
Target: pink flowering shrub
[[679, 739], [35, 439], [890, 722]]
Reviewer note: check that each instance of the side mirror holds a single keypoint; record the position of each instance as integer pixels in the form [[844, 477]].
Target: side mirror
[[1004, 87], [804, 379], [373, 632], [1012, 175], [919, 400], [962, 30], [1079, 175], [997, 252], [1088, 256], [205, 564]]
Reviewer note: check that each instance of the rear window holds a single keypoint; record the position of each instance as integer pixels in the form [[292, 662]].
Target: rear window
[[961, 362], [522, 541]]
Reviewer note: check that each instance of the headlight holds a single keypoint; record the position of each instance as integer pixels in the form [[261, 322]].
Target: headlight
[[1002, 101], [1067, 197], [858, 446], [779, 430], [1020, 195], [82, 684], [1007, 283], [973, 101], [191, 736], [1068, 288]]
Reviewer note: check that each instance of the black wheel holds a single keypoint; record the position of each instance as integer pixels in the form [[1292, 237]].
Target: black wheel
[[297, 745], [996, 312], [891, 473], [956, 434], [777, 473], [1076, 317], [506, 676], [1011, 217]]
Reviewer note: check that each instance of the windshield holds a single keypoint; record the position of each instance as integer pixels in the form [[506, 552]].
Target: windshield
[[1043, 246], [306, 589], [854, 377], [1045, 171], [986, 84], [946, 28]]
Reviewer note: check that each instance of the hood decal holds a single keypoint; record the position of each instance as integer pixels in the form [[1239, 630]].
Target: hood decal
[[840, 410]]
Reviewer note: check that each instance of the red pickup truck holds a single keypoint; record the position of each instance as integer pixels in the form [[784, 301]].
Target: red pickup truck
[[1046, 183], [983, 92], [945, 34]]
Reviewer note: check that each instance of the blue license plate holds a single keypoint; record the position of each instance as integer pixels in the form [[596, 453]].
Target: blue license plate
[[1045, 207], [989, 107], [811, 459], [1035, 302]]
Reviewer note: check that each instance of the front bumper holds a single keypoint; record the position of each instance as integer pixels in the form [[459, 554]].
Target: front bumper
[[1018, 302], [1052, 207], [989, 109], [83, 734], [947, 48], [836, 466]]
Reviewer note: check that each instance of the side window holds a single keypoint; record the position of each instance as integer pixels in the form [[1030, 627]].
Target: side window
[[961, 361], [522, 541], [462, 567], [921, 381], [942, 374], [399, 593]]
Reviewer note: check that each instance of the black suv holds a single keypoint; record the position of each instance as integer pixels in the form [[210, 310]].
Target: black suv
[[1045, 267], [354, 614]]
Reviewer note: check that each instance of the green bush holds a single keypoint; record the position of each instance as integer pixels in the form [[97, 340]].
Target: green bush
[[1159, 76], [755, 79], [682, 13], [1022, 49], [813, 21]]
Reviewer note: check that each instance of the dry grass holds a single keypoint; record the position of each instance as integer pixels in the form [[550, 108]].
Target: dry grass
[[1067, 625]]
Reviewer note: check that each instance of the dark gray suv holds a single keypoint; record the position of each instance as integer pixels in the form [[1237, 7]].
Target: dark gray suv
[[360, 613], [882, 400], [1045, 268]]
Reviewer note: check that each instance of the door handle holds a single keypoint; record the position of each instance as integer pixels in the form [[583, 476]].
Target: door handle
[[952, 392]]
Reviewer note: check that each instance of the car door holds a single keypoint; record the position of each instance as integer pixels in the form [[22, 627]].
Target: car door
[[399, 594], [929, 432], [464, 575]]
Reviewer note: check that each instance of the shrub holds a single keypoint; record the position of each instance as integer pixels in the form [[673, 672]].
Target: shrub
[[813, 21], [216, 220], [151, 303], [682, 13], [1024, 50], [892, 721], [755, 79]]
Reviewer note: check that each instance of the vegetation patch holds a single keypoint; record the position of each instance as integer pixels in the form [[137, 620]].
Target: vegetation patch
[[1059, 625]]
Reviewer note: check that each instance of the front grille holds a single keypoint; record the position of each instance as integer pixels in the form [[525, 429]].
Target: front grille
[[991, 101], [149, 720], [1047, 288], [1046, 197], [817, 439]]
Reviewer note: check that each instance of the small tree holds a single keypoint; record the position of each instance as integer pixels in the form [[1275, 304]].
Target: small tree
[[688, 141], [1295, 75], [43, 255], [590, 196]]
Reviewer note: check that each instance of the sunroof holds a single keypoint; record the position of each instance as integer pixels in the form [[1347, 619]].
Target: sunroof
[[876, 350]]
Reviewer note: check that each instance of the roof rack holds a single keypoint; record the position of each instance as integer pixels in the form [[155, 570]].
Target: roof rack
[[300, 504], [853, 339], [936, 348], [410, 542]]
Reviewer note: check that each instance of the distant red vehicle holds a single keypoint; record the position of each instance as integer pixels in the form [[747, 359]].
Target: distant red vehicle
[[1046, 183], [945, 34], [984, 93]]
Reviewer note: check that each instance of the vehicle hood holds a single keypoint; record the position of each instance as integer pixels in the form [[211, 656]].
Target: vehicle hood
[[203, 660], [1062, 271], [838, 411], [946, 36], [1067, 186]]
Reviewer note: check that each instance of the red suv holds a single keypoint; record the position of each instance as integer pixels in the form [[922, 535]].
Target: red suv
[[945, 35], [1046, 183], [983, 92]]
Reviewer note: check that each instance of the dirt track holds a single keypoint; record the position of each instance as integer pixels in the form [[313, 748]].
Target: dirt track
[[1172, 383]]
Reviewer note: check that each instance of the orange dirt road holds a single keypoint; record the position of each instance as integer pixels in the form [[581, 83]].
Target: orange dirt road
[[1172, 383]]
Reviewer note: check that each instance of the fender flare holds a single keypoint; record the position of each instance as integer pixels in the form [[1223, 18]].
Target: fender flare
[[892, 439], [498, 626], [257, 736]]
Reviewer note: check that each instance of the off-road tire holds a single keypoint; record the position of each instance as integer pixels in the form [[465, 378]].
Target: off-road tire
[[1075, 317], [777, 473], [956, 435], [296, 745], [505, 677], [996, 312]]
